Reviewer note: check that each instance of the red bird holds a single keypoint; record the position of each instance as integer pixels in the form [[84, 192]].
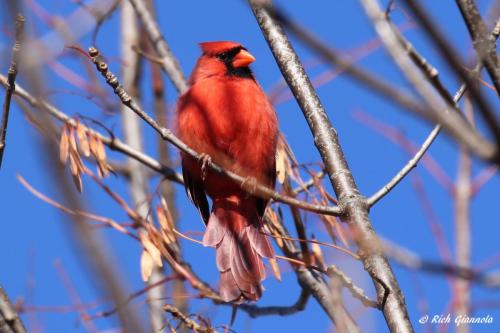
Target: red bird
[[227, 117]]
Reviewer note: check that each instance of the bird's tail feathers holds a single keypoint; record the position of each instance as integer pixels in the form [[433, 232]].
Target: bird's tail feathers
[[236, 233]]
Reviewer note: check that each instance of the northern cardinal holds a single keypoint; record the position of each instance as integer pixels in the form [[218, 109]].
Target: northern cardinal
[[226, 117]]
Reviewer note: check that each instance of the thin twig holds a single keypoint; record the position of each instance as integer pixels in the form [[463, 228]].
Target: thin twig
[[341, 179], [356, 291], [11, 82], [190, 323], [255, 311]]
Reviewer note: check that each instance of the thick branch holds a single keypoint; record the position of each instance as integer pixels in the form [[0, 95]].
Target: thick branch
[[326, 140], [462, 201], [138, 178]]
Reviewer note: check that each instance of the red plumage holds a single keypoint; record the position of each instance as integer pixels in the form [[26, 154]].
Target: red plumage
[[226, 115]]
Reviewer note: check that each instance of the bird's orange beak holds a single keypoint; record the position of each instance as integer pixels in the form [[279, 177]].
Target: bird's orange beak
[[243, 59]]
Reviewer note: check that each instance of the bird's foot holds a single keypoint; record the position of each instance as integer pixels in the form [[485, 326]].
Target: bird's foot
[[250, 185], [205, 160]]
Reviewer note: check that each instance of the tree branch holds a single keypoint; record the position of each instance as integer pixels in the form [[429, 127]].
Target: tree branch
[[190, 323], [412, 163], [451, 121], [327, 143], [483, 42], [138, 178], [9, 318], [166, 59], [411, 260], [452, 57], [11, 82], [256, 311], [462, 201], [453, 124]]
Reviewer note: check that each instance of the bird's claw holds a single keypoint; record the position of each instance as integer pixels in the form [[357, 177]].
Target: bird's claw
[[205, 160]]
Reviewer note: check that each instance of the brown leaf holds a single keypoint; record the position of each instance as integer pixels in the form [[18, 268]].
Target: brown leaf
[[276, 269], [146, 265], [64, 145]]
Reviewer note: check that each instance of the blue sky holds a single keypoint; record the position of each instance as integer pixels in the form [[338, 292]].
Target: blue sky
[[34, 235]]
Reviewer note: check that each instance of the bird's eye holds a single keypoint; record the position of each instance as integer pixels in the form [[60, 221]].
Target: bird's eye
[[223, 56]]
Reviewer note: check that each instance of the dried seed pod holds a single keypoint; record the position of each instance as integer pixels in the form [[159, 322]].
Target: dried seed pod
[[276, 269], [64, 145], [151, 248], [81, 133], [146, 265]]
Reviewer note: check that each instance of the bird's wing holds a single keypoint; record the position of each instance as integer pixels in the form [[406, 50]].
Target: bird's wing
[[196, 194]]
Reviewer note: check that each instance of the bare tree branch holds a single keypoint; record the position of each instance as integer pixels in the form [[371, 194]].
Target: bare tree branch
[[326, 140], [462, 198], [452, 57], [9, 318], [451, 121], [138, 178], [11, 82], [432, 77], [453, 124], [356, 292], [190, 323], [483, 42]]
